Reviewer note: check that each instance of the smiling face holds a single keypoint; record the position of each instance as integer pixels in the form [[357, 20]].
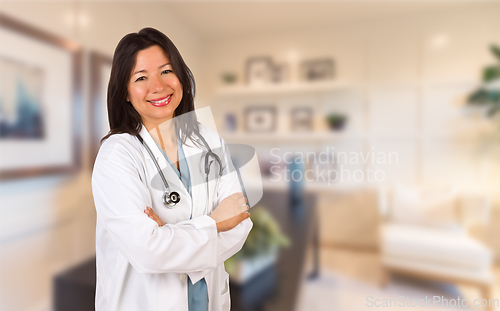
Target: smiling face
[[153, 88]]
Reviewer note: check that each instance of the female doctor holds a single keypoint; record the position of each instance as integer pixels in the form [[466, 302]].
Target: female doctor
[[162, 245]]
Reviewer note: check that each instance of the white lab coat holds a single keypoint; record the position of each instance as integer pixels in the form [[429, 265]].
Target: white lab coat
[[141, 266]]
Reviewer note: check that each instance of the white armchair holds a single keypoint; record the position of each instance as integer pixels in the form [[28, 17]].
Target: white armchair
[[426, 234]]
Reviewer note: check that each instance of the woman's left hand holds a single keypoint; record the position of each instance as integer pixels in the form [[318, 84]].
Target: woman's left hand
[[151, 214]]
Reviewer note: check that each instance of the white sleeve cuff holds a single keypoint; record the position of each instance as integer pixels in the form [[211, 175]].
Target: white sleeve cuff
[[208, 223]]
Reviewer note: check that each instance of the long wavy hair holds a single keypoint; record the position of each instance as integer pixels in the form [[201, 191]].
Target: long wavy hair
[[122, 116]]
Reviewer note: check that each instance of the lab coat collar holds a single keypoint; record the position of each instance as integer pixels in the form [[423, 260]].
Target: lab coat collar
[[152, 145]]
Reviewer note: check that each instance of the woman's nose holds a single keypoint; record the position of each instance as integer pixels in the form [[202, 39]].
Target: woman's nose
[[156, 85]]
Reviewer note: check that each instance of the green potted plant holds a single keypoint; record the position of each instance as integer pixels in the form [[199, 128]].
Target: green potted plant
[[336, 121], [229, 77], [260, 249], [488, 94]]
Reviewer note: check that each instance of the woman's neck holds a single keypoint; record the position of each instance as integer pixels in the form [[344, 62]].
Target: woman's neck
[[164, 134]]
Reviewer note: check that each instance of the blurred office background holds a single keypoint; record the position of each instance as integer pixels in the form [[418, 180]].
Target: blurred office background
[[408, 203]]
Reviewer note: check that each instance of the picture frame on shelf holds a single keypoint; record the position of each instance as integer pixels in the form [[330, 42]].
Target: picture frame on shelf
[[317, 70], [260, 119], [40, 102], [301, 119], [259, 71], [281, 73], [100, 71]]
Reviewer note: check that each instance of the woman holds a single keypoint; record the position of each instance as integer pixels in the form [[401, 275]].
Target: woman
[[153, 253]]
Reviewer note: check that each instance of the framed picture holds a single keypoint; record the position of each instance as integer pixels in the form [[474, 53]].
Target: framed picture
[[100, 71], [260, 119], [316, 70], [260, 71], [40, 102], [281, 73], [302, 119]]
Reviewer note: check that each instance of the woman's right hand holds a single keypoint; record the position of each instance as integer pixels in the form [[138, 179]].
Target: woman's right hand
[[230, 212]]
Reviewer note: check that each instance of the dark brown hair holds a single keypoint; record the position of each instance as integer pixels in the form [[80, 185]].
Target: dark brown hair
[[122, 116]]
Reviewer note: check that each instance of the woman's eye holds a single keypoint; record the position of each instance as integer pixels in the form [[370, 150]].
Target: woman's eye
[[140, 79], [167, 71]]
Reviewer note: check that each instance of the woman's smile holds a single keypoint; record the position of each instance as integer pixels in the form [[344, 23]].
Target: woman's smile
[[160, 102]]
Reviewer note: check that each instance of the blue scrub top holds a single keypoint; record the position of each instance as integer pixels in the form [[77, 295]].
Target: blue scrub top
[[197, 293]]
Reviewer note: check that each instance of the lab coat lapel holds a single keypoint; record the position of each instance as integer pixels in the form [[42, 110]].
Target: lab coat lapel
[[198, 190]]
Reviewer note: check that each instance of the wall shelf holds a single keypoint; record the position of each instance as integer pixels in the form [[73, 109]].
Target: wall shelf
[[283, 185], [287, 137], [283, 89]]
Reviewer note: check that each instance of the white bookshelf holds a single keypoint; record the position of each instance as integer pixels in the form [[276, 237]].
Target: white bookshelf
[[312, 94]]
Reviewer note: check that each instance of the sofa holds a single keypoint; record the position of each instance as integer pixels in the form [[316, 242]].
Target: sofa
[[426, 233]]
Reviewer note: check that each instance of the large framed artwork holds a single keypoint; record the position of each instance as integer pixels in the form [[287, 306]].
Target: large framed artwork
[[99, 124], [40, 102]]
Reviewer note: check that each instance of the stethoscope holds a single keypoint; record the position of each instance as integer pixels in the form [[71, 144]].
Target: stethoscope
[[171, 198]]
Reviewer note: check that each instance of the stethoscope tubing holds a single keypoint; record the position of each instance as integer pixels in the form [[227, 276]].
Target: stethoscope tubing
[[170, 199], [155, 162]]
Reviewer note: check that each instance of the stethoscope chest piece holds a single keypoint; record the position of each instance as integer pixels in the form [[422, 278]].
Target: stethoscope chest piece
[[170, 199]]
